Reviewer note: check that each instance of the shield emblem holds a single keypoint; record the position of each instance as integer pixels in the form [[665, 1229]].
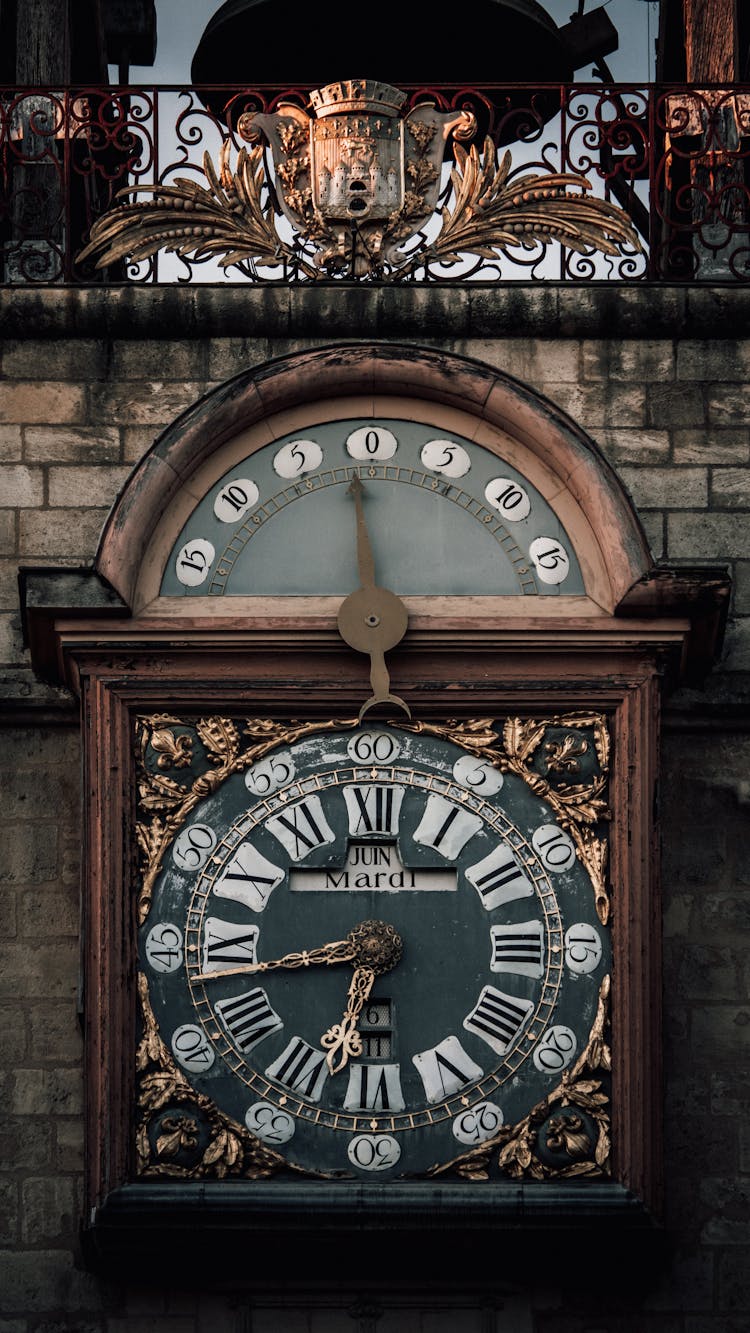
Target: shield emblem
[[357, 178]]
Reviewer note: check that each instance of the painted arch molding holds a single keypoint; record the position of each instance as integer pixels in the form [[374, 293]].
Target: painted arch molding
[[481, 497]]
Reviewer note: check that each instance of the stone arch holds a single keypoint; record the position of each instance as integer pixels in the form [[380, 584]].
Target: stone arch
[[303, 387]]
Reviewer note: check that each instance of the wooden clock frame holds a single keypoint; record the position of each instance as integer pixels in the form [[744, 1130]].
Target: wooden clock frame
[[126, 662]]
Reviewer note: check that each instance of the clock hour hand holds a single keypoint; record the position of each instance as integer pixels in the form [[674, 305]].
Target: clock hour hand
[[343, 1040]]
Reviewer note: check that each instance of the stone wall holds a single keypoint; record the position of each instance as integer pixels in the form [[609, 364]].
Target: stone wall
[[87, 381]]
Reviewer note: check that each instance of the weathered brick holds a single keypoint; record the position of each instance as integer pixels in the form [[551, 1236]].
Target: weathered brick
[[8, 914], [25, 1144], [742, 587], [228, 356], [142, 403], [55, 359], [62, 444], [12, 1034], [69, 1146], [730, 1092], [724, 914], [8, 1211], [535, 359], [708, 972], [667, 488], [8, 584], [29, 853], [730, 488], [46, 1092], [634, 446], [594, 406], [54, 1033], [50, 1210], [74, 533], [12, 650], [713, 359], [11, 443], [711, 446], [42, 403], [671, 405], [734, 1280], [32, 970], [100, 485], [32, 791], [137, 440], [707, 536], [649, 359], [721, 1034], [45, 1280], [43, 912], [728, 1198], [652, 522], [21, 487], [729, 405], [143, 358], [7, 531], [736, 655]]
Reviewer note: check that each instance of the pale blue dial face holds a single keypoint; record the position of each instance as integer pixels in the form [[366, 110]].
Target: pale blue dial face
[[445, 517]]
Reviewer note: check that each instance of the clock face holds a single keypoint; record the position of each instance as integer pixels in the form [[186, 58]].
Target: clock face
[[392, 878], [446, 516]]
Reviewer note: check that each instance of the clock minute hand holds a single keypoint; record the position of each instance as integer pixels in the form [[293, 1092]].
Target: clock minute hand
[[372, 944], [372, 619], [339, 951], [365, 558]]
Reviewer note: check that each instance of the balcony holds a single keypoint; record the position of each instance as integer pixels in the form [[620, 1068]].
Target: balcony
[[675, 159]]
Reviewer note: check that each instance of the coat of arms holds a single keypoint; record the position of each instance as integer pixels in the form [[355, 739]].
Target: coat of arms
[[357, 179]]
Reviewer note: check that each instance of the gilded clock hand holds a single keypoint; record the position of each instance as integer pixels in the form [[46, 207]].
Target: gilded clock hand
[[372, 619], [372, 944], [343, 1039]]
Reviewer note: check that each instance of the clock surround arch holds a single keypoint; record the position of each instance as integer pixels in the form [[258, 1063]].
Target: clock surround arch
[[295, 392]]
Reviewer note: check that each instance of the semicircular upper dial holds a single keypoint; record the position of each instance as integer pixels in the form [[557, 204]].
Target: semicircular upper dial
[[447, 517]]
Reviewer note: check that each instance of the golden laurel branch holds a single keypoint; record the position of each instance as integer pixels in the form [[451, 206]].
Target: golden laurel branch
[[492, 214], [227, 221]]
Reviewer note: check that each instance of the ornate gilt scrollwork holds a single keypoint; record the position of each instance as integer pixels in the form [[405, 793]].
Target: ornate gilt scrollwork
[[180, 1132], [566, 1135]]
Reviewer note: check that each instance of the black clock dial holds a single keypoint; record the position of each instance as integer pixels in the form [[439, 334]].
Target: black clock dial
[[471, 1020]]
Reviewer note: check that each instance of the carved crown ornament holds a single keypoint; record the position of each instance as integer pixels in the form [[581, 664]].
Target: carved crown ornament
[[361, 188]]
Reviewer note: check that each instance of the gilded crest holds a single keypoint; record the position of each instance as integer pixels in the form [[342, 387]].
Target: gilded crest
[[357, 176]]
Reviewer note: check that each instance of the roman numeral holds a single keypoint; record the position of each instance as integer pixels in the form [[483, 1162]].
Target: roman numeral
[[498, 878], [373, 809], [446, 827], [249, 878], [498, 1018], [301, 1068], [225, 943], [249, 1018], [518, 949], [445, 1069], [374, 1088], [301, 828]]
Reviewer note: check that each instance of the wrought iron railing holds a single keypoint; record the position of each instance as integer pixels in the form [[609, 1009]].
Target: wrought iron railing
[[674, 158]]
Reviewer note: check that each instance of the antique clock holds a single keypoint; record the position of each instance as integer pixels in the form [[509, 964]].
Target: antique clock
[[375, 949], [371, 665]]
